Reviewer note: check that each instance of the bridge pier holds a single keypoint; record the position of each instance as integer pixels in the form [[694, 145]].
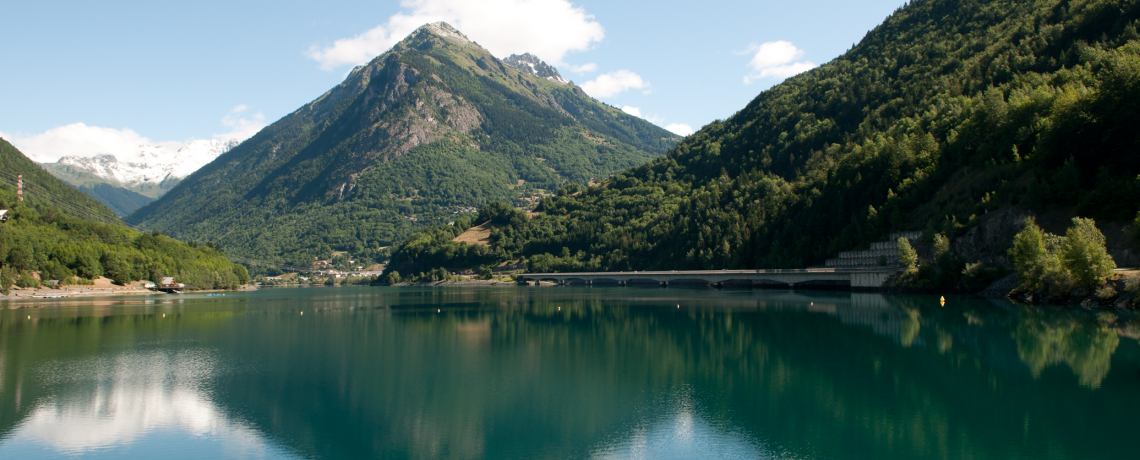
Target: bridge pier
[[664, 284]]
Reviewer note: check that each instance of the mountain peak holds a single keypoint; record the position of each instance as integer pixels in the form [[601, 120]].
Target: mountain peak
[[531, 64], [439, 29]]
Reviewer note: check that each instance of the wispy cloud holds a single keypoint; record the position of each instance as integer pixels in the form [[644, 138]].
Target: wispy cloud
[[584, 68], [240, 127], [680, 129], [546, 28], [778, 60]]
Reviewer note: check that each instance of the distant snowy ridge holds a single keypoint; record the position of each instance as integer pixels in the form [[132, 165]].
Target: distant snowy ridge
[[151, 163], [529, 63]]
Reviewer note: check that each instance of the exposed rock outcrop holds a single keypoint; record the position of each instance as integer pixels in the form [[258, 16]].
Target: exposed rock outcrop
[[529, 63]]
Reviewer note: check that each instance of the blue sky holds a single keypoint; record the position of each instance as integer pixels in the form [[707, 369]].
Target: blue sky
[[171, 72]]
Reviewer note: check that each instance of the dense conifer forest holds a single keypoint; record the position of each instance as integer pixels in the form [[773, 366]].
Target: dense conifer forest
[[948, 110]]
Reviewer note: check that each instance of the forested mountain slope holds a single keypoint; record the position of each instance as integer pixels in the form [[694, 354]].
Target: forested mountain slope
[[59, 233], [43, 188], [434, 126], [947, 110]]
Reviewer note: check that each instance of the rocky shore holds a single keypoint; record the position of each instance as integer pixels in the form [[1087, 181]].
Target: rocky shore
[[101, 287], [1118, 293]]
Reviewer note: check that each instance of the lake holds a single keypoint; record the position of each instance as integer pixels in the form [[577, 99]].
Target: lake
[[564, 372]]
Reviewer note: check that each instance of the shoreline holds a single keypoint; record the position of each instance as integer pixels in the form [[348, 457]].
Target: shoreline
[[86, 291], [65, 293]]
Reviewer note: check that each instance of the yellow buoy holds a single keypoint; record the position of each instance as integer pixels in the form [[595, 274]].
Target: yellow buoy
[[302, 313], [942, 300]]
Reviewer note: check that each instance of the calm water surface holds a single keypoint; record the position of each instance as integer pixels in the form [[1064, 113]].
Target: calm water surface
[[576, 372]]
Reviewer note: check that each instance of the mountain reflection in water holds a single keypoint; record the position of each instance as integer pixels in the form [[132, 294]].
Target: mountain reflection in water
[[565, 372]]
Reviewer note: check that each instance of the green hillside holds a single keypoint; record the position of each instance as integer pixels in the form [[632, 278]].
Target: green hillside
[[434, 126], [59, 233], [41, 188], [946, 111], [121, 200]]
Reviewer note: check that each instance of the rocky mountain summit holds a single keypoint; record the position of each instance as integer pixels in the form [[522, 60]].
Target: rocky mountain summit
[[529, 63]]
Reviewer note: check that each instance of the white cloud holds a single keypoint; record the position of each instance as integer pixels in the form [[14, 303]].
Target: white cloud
[[655, 119], [612, 83], [777, 59], [584, 68], [546, 28], [79, 139], [679, 129]]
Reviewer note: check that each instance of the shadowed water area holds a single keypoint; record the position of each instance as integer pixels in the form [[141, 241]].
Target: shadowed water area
[[575, 372]]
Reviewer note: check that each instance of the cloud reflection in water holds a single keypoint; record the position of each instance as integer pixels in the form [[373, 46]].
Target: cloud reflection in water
[[114, 406], [679, 431]]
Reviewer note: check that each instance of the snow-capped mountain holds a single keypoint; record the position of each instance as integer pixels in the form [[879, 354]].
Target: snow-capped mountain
[[531, 64], [150, 164]]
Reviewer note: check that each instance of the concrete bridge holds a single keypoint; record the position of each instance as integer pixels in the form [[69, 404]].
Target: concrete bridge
[[852, 278]]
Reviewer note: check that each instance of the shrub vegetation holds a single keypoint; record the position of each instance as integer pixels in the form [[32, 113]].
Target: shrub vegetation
[[1057, 264]]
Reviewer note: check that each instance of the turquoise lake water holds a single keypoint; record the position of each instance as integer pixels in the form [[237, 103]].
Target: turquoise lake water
[[564, 372]]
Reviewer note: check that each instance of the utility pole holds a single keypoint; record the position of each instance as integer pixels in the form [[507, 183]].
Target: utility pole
[[19, 187]]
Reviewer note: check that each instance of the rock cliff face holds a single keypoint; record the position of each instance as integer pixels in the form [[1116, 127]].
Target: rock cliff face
[[990, 240]]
